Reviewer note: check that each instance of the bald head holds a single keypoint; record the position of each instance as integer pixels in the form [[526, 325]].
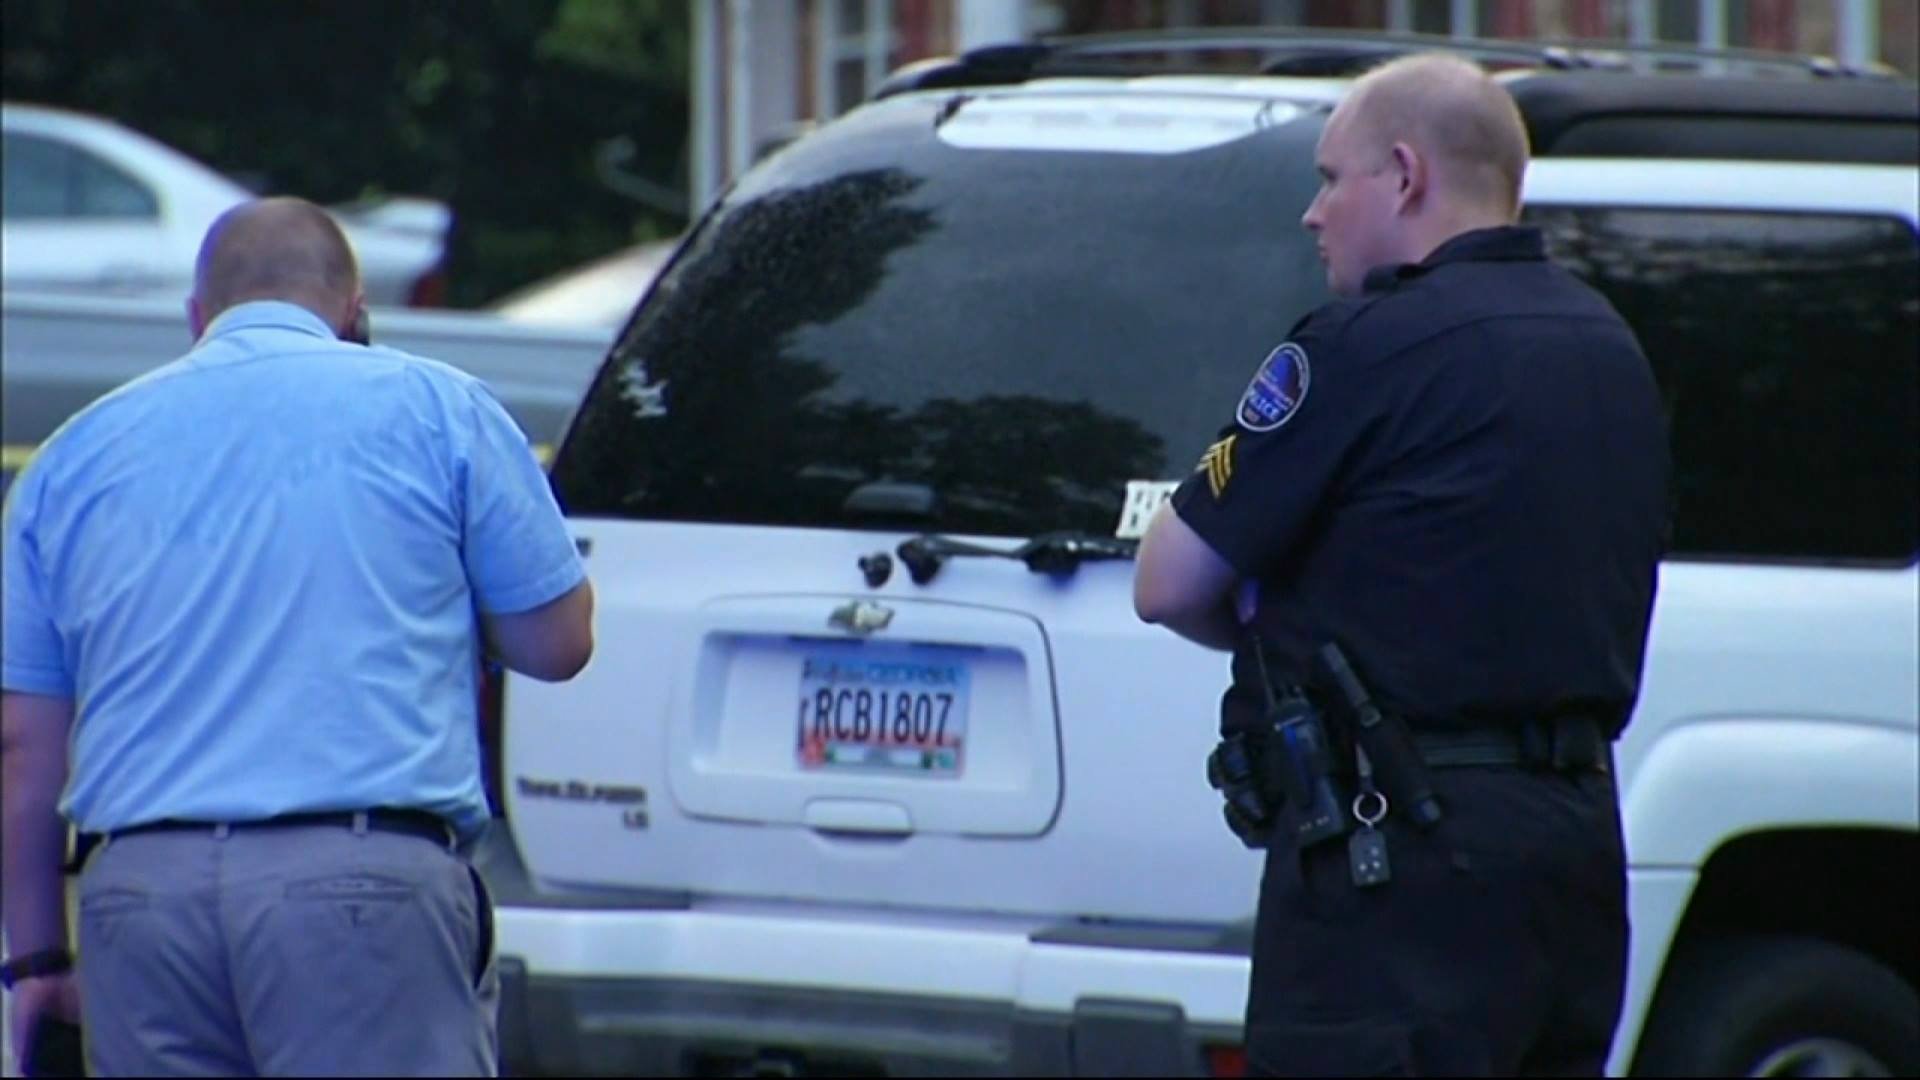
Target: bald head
[[1464, 123], [277, 249]]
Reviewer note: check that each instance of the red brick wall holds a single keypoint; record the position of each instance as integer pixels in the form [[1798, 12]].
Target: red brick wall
[[1773, 24]]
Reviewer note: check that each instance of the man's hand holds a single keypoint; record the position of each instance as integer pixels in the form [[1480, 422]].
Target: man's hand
[[35, 999]]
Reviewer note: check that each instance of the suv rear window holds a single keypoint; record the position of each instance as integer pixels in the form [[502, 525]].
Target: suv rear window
[[1785, 345], [1020, 331]]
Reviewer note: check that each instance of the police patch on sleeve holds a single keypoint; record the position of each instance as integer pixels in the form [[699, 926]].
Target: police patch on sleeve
[[1276, 391]]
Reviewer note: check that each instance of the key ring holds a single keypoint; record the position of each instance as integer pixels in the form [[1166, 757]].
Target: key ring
[[1361, 800]]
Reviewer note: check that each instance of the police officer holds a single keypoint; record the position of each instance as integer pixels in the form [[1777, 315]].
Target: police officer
[[1457, 472]]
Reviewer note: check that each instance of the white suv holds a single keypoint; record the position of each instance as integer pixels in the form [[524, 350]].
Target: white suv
[[843, 791]]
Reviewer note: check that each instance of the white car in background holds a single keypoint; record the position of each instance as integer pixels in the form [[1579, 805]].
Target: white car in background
[[597, 294], [92, 206]]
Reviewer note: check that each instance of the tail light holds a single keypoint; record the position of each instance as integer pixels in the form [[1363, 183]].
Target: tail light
[[429, 289], [1226, 1059]]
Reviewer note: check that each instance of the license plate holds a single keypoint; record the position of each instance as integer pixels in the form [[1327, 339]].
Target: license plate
[[892, 712]]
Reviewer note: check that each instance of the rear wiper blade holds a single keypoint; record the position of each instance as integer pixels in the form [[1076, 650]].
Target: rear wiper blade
[[1055, 553]]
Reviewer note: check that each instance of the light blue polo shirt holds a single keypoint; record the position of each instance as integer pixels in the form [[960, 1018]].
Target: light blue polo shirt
[[255, 571]]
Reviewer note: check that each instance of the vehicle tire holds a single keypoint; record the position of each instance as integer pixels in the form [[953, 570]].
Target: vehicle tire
[[1776, 1006]]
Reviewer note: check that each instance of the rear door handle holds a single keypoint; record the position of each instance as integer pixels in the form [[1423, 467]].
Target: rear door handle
[[872, 817]]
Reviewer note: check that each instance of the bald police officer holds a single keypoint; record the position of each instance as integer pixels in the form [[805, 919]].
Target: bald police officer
[[1457, 473]]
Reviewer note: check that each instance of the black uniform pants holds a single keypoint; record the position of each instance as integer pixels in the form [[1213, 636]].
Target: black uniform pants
[[1498, 948]]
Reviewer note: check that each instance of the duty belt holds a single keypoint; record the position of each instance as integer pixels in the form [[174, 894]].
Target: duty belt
[[1564, 744]]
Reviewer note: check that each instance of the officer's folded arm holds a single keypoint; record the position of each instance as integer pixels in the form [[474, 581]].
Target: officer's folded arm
[[1183, 584]]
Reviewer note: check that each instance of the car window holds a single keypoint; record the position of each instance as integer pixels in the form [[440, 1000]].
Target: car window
[[102, 191], [35, 178], [45, 178], [1785, 345], [1019, 332]]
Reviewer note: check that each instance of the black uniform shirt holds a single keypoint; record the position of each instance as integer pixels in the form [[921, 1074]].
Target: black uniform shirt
[[1461, 476]]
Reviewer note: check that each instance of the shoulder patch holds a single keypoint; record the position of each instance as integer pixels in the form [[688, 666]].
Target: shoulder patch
[[1218, 463], [1276, 391]]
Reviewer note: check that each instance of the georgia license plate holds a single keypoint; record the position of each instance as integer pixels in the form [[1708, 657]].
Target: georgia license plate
[[898, 712]]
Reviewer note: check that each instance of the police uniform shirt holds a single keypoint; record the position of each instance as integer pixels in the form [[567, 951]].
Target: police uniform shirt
[[1459, 475]]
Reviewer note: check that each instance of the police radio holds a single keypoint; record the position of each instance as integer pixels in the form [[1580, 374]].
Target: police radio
[[1313, 811]]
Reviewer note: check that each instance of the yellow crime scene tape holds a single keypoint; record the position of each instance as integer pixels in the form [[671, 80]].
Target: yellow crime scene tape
[[14, 457]]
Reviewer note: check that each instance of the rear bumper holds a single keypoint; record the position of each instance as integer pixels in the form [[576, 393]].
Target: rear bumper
[[560, 1025], [655, 984]]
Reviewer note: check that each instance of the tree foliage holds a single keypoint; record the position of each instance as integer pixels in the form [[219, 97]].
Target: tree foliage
[[499, 107]]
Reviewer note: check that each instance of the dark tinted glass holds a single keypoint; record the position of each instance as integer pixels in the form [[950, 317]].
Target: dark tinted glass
[[102, 191], [1786, 347], [36, 172], [1817, 139], [1022, 332]]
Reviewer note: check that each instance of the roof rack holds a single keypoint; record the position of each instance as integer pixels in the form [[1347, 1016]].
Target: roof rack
[[1329, 53]]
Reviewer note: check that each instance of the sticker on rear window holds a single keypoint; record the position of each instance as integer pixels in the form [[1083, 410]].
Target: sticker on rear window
[[649, 399], [1143, 499]]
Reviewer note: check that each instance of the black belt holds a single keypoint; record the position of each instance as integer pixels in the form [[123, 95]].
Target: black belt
[[418, 823], [1566, 744]]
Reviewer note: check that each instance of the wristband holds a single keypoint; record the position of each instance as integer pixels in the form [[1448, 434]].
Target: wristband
[[44, 962]]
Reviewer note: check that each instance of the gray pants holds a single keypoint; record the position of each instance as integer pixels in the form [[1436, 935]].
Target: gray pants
[[286, 951]]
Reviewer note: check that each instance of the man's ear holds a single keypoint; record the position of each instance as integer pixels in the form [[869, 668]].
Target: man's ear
[[1414, 175], [196, 318], [354, 327]]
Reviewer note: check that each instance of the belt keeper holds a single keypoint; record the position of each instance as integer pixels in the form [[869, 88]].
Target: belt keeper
[[1537, 744], [1563, 746], [1578, 743]]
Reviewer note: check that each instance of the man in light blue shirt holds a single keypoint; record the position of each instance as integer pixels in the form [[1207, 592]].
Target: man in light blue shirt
[[246, 595]]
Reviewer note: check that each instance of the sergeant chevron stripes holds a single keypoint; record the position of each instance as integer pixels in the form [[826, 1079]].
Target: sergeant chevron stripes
[[1218, 461]]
